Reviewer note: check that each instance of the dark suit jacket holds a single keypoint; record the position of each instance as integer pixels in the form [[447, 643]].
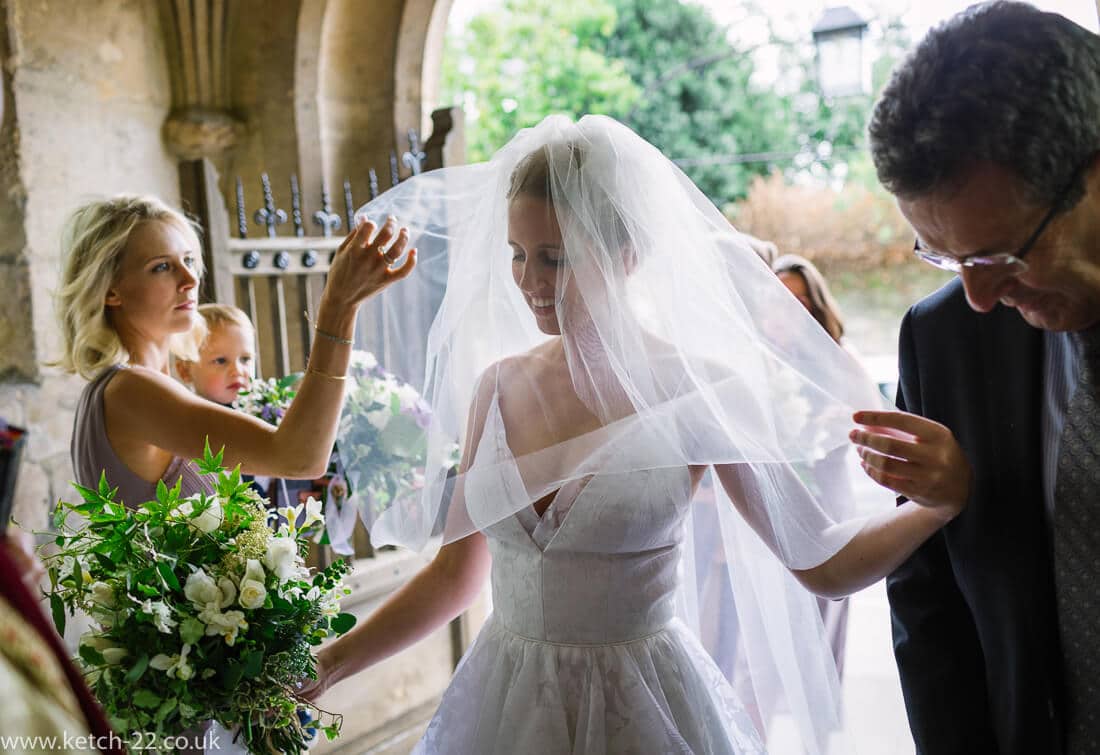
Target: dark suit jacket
[[975, 630]]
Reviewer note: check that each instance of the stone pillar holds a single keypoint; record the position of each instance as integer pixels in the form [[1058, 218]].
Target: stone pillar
[[418, 63], [85, 91], [200, 129]]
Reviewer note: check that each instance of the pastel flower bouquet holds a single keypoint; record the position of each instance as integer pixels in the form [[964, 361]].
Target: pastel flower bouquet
[[201, 611], [268, 399], [383, 443]]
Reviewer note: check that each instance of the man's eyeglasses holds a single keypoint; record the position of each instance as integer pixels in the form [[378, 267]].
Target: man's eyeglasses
[[1009, 263]]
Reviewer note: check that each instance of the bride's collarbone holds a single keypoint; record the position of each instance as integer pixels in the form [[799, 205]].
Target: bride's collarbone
[[533, 423]]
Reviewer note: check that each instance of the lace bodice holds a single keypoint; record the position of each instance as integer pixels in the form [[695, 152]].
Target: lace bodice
[[600, 565]]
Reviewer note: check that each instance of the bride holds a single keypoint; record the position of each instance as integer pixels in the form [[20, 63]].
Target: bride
[[604, 341]]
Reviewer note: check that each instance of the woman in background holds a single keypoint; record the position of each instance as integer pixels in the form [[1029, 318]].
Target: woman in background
[[808, 285], [806, 282]]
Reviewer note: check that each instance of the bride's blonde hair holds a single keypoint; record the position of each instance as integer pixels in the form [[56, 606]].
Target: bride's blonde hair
[[92, 244]]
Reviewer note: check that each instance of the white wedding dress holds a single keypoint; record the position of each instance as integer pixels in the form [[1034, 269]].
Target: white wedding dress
[[583, 652], [687, 352]]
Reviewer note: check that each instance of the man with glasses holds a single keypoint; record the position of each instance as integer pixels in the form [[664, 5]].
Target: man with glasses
[[988, 135]]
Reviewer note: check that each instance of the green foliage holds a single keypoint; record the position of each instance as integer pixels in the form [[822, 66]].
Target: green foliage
[[671, 73], [517, 64], [700, 99], [200, 611]]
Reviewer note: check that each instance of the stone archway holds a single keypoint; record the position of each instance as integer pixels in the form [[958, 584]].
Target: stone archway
[[361, 123], [418, 62]]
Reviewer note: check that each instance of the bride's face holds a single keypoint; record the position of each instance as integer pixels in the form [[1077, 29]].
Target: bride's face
[[538, 258]]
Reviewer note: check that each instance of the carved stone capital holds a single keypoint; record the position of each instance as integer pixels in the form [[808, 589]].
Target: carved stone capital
[[194, 133]]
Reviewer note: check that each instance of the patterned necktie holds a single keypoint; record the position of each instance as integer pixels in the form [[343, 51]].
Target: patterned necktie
[[1077, 549]]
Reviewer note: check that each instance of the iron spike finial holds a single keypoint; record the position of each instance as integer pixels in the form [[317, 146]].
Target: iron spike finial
[[415, 157], [296, 206], [242, 216], [372, 176], [395, 176], [269, 215], [349, 204], [328, 220]]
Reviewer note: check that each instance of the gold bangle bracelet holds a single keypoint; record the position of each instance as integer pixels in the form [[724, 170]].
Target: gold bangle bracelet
[[329, 336], [316, 371]]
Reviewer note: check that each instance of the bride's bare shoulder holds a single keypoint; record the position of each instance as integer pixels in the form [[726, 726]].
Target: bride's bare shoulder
[[526, 364], [672, 363], [503, 381]]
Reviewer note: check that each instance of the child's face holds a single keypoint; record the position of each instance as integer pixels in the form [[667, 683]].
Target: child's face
[[225, 364]]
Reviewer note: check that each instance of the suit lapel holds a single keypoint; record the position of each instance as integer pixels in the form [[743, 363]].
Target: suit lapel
[[1012, 366]]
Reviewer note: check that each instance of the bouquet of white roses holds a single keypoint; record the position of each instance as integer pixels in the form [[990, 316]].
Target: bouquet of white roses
[[200, 611], [383, 445], [268, 399]]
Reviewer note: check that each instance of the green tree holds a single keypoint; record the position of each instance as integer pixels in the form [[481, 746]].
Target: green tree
[[670, 72], [700, 104], [515, 65]]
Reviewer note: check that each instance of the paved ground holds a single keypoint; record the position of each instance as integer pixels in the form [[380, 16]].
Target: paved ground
[[873, 704], [874, 713]]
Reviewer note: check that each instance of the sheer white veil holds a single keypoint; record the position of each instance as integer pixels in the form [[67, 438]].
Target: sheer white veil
[[678, 347]]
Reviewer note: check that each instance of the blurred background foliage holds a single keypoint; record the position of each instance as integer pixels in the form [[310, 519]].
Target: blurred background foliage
[[742, 114]]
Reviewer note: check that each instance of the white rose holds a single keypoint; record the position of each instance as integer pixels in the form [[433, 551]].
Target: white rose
[[228, 592], [201, 590], [254, 571], [253, 594], [210, 519], [103, 594], [364, 360], [407, 395], [281, 558]]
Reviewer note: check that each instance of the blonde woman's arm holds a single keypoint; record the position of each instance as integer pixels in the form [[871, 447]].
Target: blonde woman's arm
[[146, 410]]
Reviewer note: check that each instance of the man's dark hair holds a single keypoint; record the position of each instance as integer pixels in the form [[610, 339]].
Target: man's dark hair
[[1001, 82]]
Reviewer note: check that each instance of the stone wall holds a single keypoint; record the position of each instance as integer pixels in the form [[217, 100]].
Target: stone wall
[[86, 90]]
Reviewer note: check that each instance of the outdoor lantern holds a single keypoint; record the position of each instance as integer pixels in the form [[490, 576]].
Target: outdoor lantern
[[838, 37]]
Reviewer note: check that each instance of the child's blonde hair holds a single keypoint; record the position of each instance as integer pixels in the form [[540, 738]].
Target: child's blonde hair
[[93, 241], [213, 317]]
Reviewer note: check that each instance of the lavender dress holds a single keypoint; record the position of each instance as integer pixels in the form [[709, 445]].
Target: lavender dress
[[92, 453]]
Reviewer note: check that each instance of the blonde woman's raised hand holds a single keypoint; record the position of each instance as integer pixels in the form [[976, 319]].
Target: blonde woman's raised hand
[[363, 264]]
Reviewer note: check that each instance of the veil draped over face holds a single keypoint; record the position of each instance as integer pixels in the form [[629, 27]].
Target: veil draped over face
[[678, 347]]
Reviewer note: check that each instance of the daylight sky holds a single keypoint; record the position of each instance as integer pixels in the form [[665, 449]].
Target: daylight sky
[[920, 14]]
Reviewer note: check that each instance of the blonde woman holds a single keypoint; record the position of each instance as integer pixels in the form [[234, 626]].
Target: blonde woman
[[129, 289]]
